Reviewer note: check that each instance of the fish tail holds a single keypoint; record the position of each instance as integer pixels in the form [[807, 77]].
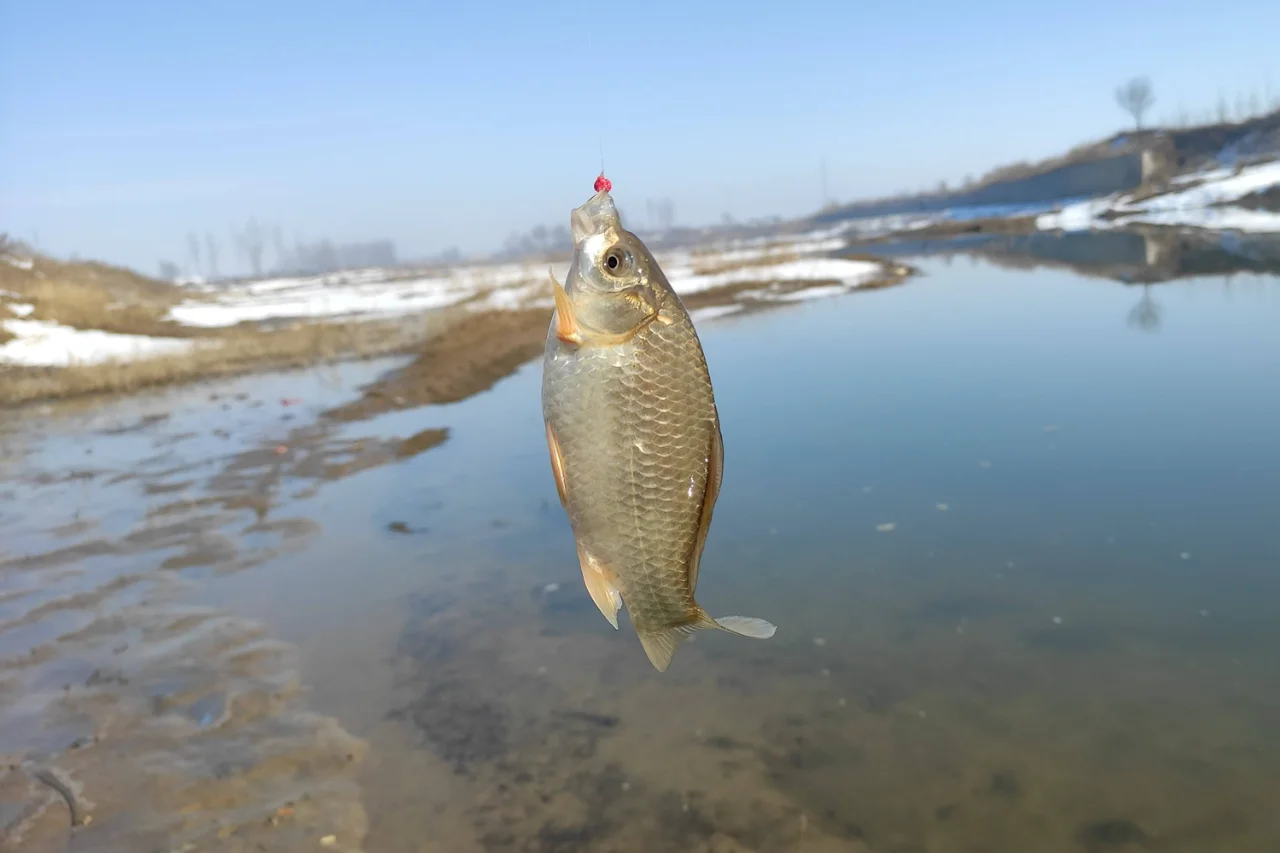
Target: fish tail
[[661, 645]]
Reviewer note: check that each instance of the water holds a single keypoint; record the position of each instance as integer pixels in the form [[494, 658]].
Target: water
[[1066, 640]]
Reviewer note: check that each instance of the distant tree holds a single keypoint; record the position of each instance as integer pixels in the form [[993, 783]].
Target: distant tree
[[252, 240], [211, 254], [560, 238], [169, 271], [666, 211], [193, 252], [282, 253], [1135, 98]]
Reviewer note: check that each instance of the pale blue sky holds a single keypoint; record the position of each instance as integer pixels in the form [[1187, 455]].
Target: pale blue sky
[[124, 125]]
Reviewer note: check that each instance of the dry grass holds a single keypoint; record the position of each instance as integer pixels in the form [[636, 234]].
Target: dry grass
[[234, 351], [713, 265], [5, 334], [88, 295], [98, 296]]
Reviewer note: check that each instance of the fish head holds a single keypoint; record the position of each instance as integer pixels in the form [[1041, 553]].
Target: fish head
[[614, 283]]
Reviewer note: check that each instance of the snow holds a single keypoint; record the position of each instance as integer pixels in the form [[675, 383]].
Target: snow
[[778, 269], [20, 263], [849, 273], [376, 293], [40, 344], [1206, 202]]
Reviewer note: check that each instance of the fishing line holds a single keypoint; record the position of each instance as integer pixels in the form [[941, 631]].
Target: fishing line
[[591, 52]]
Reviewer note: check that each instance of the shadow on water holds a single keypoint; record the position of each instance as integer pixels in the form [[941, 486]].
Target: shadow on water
[[1025, 592]]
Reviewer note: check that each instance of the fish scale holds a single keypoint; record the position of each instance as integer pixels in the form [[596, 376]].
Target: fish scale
[[634, 434], [639, 519]]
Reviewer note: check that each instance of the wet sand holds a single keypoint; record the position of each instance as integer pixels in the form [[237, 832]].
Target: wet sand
[[294, 612]]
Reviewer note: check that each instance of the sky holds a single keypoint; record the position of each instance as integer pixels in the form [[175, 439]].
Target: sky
[[125, 126]]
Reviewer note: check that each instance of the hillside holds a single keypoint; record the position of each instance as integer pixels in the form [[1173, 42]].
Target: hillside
[[1120, 163]]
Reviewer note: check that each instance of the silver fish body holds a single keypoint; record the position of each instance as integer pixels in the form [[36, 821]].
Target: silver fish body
[[634, 435]]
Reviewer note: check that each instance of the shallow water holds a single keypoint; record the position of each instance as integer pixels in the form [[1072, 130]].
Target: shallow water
[[1017, 530]]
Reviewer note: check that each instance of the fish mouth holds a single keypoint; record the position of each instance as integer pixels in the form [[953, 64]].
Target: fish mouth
[[594, 217]]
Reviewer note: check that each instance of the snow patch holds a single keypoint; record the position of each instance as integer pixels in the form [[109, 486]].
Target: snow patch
[[849, 273], [40, 344], [1205, 203]]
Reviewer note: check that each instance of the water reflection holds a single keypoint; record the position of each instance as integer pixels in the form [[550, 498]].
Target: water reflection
[[1132, 255], [1146, 315]]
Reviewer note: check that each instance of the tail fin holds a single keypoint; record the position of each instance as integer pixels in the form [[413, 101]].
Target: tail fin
[[661, 645]]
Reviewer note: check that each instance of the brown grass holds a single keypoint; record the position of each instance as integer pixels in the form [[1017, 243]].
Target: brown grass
[[235, 351], [5, 334], [90, 295], [711, 266]]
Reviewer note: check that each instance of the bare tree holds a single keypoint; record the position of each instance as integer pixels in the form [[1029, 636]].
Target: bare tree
[[211, 253], [252, 240], [282, 253], [193, 252], [539, 235], [169, 271], [666, 211], [1135, 98]]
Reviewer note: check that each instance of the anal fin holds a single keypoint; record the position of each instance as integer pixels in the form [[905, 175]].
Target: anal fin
[[602, 585], [661, 645]]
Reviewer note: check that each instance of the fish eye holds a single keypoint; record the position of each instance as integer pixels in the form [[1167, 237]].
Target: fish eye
[[615, 260]]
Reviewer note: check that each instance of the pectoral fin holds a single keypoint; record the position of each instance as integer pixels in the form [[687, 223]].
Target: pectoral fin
[[715, 473], [557, 465], [602, 585], [566, 326]]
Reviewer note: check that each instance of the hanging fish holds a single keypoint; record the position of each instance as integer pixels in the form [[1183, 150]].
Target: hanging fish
[[633, 433]]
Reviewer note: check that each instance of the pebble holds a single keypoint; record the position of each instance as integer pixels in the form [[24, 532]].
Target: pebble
[[1204, 613], [887, 527], [1057, 620], [818, 641], [841, 702], [942, 507], [825, 672], [1186, 555], [551, 587], [329, 840], [922, 713], [985, 463]]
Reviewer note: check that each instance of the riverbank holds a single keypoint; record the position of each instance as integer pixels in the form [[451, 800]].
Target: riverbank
[[76, 329]]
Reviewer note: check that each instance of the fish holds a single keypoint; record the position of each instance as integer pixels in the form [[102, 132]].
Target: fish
[[633, 434]]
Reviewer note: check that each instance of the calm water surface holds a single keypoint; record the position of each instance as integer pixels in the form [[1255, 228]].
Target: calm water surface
[[1017, 530]]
